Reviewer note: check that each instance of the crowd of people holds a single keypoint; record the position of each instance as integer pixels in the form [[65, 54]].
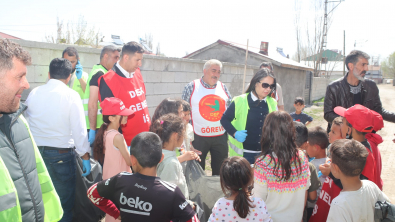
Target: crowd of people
[[271, 166]]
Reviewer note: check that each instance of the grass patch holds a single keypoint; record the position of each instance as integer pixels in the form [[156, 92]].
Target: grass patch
[[319, 100]]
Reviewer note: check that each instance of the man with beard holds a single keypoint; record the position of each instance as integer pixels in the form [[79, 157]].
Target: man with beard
[[354, 89], [78, 78]]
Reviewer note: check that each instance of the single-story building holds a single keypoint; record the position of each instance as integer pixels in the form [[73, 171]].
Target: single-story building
[[294, 78]]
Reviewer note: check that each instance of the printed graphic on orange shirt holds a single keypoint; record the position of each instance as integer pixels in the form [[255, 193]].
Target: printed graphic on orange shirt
[[212, 107]]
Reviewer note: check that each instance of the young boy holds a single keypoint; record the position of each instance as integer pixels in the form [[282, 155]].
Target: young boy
[[298, 115], [357, 122], [357, 199], [142, 196], [301, 143], [317, 144]]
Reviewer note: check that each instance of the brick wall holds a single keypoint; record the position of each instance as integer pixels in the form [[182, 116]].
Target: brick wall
[[163, 76], [318, 87]]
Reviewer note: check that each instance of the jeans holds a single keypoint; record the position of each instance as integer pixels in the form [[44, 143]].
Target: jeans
[[61, 168]]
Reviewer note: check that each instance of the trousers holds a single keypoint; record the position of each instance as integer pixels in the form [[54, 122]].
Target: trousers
[[218, 148], [61, 168]]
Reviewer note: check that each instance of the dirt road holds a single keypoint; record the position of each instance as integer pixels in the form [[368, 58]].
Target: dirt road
[[387, 148]]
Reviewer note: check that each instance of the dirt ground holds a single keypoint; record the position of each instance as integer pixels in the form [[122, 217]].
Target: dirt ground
[[387, 148]]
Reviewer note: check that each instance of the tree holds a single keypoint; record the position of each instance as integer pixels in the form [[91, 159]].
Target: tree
[[388, 66], [311, 37], [79, 33]]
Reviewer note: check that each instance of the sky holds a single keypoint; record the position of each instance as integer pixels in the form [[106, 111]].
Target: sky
[[183, 26]]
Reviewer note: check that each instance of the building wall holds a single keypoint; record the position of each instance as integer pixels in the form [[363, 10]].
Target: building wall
[[164, 77], [318, 89], [292, 81]]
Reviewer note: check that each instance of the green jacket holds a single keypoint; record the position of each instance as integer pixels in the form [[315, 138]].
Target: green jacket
[[85, 99], [26, 189], [240, 121]]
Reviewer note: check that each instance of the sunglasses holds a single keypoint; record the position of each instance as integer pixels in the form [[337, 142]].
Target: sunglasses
[[266, 85]]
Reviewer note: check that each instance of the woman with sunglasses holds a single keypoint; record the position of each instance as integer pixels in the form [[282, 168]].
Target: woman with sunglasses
[[244, 118]]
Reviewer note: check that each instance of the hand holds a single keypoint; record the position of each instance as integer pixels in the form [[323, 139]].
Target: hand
[[91, 136], [198, 152], [78, 70], [325, 168], [190, 155], [241, 135], [86, 167]]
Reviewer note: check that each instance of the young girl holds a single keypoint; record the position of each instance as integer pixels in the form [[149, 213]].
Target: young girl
[[170, 128], [174, 106], [236, 179], [281, 173], [110, 145]]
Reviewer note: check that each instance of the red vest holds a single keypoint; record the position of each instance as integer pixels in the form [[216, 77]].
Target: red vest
[[132, 93]]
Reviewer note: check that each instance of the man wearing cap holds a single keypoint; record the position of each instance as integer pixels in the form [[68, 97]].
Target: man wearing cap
[[108, 57], [354, 89], [125, 82], [56, 117], [208, 98]]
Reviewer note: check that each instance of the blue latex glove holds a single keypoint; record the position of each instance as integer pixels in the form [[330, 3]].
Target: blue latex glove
[[86, 167], [78, 70], [129, 149], [319, 173], [91, 136], [241, 135]]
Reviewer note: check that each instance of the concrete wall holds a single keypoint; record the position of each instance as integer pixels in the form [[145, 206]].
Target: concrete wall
[[164, 77], [318, 89], [292, 81]]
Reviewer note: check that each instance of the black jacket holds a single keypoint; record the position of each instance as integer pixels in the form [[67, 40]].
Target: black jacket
[[338, 94]]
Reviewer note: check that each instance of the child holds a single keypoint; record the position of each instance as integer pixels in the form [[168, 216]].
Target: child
[[174, 106], [357, 121], [298, 115], [335, 133], [236, 177], [301, 142], [357, 199], [281, 174], [110, 144], [317, 144], [167, 106], [142, 196], [189, 134], [170, 129]]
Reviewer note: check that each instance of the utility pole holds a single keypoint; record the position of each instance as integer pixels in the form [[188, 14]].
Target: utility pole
[[325, 30]]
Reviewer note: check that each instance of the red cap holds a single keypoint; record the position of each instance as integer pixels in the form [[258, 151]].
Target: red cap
[[361, 118], [114, 106]]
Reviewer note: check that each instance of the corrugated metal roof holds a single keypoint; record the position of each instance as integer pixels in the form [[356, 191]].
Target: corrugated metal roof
[[273, 56]]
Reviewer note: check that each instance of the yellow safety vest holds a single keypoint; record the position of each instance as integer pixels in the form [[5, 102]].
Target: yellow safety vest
[[240, 121], [85, 99]]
